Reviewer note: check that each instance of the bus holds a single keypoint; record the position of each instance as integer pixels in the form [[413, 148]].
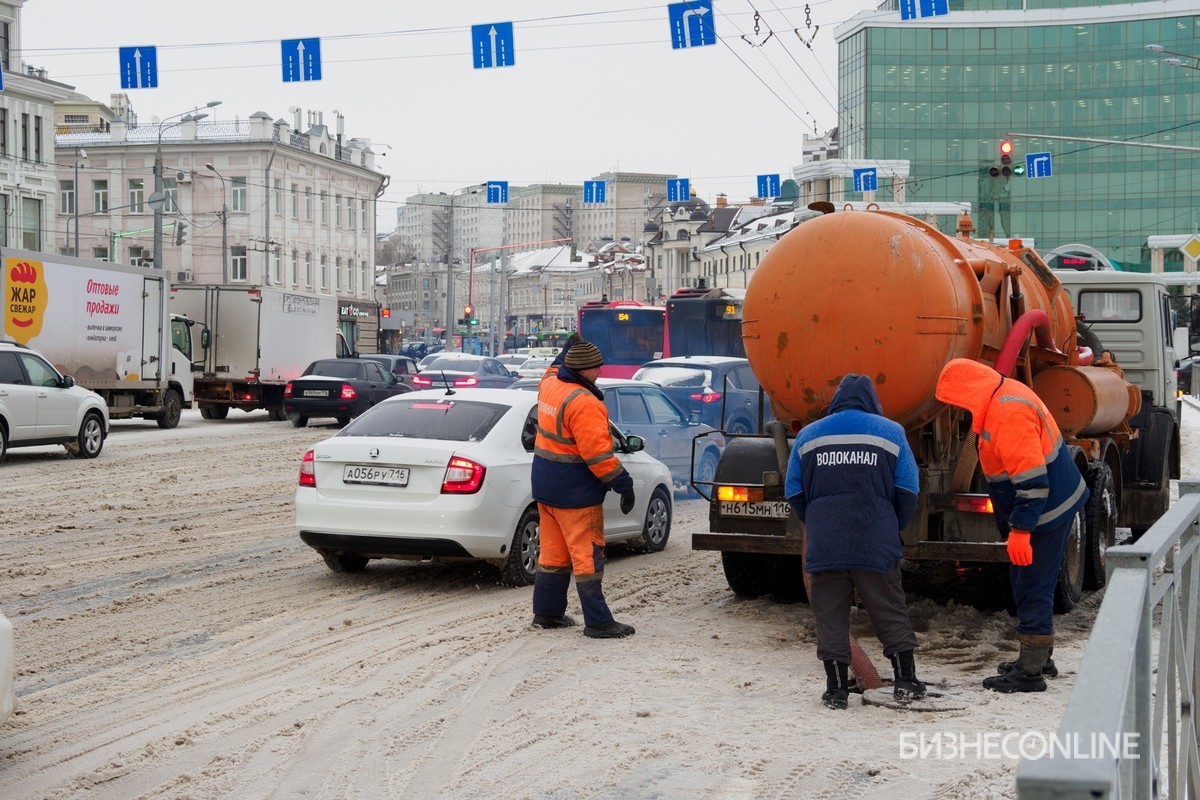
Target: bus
[[556, 338], [627, 332], [706, 322]]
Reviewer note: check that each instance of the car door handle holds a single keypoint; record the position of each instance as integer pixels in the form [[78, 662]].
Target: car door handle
[[664, 433], [42, 394]]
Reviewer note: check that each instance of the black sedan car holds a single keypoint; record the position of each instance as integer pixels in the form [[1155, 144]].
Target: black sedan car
[[341, 388], [704, 385], [463, 371]]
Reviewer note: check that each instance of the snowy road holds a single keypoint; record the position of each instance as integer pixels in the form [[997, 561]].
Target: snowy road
[[175, 639]]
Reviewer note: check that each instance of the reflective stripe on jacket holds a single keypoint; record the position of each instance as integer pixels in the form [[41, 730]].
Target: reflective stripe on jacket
[[1032, 479], [573, 461]]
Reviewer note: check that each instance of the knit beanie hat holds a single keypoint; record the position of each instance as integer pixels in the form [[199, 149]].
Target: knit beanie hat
[[584, 355]]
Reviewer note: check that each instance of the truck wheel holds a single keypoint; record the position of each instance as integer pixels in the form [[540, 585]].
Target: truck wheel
[[206, 411], [172, 410], [276, 414], [657, 527], [789, 580], [340, 561], [1162, 501], [298, 420], [1100, 514], [90, 440], [749, 574], [219, 412], [1070, 575], [521, 565]]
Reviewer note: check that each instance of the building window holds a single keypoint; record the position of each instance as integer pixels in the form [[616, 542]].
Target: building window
[[66, 197], [295, 201], [308, 266], [37, 139], [308, 203], [279, 196], [5, 53], [100, 195], [350, 213], [239, 194], [277, 267], [238, 262], [324, 271], [940, 36], [25, 136], [4, 131], [100, 253], [137, 195], [171, 190], [75, 119], [337, 211], [31, 223], [295, 268], [337, 274], [324, 208], [364, 215], [362, 277]]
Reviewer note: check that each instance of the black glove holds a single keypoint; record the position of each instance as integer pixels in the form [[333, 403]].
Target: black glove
[[627, 500]]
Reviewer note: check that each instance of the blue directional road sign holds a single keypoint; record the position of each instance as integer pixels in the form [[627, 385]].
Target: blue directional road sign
[[492, 45], [912, 9], [1037, 165], [595, 191], [497, 191], [678, 190], [691, 24], [301, 59], [768, 185], [865, 180], [139, 67]]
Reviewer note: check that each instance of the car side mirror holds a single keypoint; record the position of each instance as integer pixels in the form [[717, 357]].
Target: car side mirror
[[694, 418], [68, 382], [635, 444], [205, 336]]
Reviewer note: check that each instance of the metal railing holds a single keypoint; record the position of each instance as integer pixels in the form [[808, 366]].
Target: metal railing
[[1126, 692]]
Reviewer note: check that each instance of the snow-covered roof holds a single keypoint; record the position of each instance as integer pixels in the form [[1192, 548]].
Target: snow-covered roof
[[547, 259], [763, 227]]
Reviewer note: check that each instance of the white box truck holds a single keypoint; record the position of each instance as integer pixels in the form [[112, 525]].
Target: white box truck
[[102, 324], [253, 340]]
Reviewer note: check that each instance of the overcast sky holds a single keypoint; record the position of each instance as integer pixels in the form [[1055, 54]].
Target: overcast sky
[[596, 85]]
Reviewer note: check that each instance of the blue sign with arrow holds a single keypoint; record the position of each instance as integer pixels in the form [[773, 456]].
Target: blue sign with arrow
[[492, 45], [678, 190], [301, 59], [914, 9], [139, 67], [865, 180], [595, 191], [1037, 165], [497, 191], [768, 185], [691, 24]]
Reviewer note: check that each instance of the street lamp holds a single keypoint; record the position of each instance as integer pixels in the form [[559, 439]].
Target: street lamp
[[450, 313], [1175, 62], [158, 199], [80, 153], [224, 225]]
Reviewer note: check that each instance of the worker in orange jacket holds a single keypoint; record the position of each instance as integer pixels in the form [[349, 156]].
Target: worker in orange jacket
[[574, 467], [1036, 492]]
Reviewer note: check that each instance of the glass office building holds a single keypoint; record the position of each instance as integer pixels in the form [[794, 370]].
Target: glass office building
[[943, 92]]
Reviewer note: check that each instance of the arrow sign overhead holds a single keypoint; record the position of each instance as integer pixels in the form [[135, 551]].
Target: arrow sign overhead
[[301, 59], [139, 67], [492, 45]]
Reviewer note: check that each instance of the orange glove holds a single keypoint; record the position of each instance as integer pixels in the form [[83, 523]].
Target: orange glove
[[1020, 551]]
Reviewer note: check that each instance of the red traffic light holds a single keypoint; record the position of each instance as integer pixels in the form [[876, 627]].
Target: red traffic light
[[467, 310], [1006, 148]]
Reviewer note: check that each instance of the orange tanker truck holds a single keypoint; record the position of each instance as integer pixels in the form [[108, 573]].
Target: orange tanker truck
[[886, 295]]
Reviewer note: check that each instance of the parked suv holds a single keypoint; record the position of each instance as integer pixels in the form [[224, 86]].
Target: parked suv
[[39, 406], [704, 384], [402, 367]]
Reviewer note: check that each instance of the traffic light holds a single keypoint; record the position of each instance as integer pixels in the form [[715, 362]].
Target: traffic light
[[180, 232], [1007, 169], [468, 315]]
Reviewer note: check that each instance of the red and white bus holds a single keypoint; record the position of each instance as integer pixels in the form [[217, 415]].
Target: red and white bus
[[627, 332]]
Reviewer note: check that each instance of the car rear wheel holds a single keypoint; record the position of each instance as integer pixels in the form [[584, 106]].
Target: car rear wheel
[[657, 528], [343, 421], [340, 561], [706, 471], [3, 443], [298, 420], [521, 564]]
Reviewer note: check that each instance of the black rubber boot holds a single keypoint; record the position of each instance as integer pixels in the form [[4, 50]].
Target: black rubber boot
[[1048, 671], [598, 622], [550, 600], [1026, 675], [837, 683], [904, 671], [549, 622]]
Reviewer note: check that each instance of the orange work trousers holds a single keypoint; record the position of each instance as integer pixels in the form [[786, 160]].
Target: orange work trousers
[[571, 539]]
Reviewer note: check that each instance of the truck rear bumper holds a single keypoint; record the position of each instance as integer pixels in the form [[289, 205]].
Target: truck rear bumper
[[789, 545]]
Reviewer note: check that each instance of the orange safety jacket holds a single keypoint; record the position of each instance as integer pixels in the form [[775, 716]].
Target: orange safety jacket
[[574, 465], [1032, 479]]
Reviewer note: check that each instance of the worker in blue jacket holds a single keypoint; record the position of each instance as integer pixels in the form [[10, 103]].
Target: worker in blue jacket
[[852, 481]]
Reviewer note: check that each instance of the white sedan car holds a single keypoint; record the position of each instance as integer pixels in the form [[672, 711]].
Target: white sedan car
[[534, 367], [438, 474], [8, 702]]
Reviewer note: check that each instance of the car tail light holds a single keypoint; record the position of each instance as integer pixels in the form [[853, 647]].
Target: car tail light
[[419, 381], [743, 494], [308, 470], [707, 397], [973, 503], [287, 390], [348, 392], [470, 381], [463, 476]]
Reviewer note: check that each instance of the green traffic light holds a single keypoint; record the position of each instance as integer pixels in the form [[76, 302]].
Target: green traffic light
[[1018, 171]]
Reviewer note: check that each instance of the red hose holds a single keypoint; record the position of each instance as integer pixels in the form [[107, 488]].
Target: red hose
[[1034, 319]]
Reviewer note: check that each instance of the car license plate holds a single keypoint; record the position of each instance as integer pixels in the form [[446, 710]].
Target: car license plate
[[378, 476], [316, 393], [768, 509]]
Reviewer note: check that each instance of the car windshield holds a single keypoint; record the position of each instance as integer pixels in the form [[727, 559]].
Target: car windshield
[[452, 364], [537, 363], [335, 369], [441, 419], [675, 377]]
